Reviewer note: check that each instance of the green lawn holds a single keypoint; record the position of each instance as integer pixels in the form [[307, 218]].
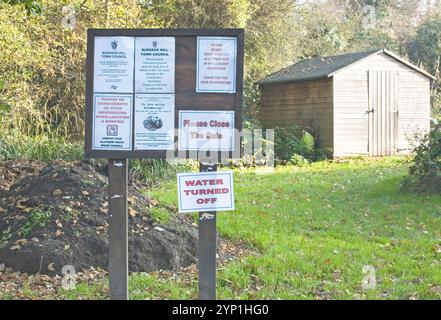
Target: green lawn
[[315, 227]]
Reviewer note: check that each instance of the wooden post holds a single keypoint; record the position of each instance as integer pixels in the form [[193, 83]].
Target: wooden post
[[118, 233], [207, 248]]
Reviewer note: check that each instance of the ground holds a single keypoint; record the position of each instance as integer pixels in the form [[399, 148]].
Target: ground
[[53, 215], [312, 231]]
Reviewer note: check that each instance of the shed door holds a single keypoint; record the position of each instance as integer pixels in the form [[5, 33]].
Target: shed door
[[383, 112]]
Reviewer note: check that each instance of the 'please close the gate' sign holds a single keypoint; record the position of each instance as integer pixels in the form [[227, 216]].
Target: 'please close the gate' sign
[[206, 130], [205, 191]]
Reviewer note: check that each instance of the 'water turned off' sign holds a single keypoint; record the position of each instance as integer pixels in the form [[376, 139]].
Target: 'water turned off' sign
[[205, 191]]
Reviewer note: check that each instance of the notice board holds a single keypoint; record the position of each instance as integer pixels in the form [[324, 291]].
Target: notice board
[[153, 93]]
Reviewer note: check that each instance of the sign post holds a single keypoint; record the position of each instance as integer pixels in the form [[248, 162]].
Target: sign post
[[164, 94], [206, 192], [207, 248], [118, 242]]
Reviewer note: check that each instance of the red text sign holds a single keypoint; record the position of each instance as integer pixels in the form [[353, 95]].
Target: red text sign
[[205, 191]]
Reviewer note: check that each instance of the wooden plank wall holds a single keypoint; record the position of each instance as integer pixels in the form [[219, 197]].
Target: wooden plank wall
[[351, 103], [307, 103]]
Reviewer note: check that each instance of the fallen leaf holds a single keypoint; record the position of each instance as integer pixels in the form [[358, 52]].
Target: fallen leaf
[[434, 288], [21, 242], [14, 248], [413, 296], [50, 267], [59, 233], [131, 199], [84, 192], [57, 192], [132, 212], [337, 275]]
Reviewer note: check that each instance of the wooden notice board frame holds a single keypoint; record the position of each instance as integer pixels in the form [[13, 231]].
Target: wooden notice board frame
[[186, 97]]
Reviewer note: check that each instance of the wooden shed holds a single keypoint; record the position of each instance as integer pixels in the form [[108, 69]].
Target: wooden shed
[[363, 103]]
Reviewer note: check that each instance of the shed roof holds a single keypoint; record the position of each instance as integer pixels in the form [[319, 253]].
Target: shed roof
[[325, 67]]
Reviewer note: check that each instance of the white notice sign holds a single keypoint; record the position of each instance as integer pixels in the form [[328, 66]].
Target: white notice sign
[[216, 64], [154, 121], [205, 191], [155, 65], [112, 122], [113, 67], [206, 130]]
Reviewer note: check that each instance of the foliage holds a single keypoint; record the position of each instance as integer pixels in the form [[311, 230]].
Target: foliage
[[436, 107], [42, 66], [298, 160], [32, 6], [425, 50], [153, 171], [308, 141], [14, 145], [161, 214], [297, 146], [287, 142], [425, 173], [426, 46], [37, 218]]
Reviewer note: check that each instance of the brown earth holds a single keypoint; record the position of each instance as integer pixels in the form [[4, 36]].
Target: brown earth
[[52, 215]]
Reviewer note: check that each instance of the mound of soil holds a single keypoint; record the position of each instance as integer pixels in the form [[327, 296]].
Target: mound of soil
[[56, 215]]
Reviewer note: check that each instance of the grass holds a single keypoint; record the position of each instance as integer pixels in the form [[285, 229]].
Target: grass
[[319, 225], [155, 171], [316, 227], [15, 145]]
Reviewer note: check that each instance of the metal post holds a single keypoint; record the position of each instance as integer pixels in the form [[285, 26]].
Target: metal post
[[118, 233], [207, 248]]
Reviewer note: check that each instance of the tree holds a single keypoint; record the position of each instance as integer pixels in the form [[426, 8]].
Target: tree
[[425, 51]]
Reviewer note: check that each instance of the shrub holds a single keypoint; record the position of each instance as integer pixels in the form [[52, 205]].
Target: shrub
[[298, 160], [287, 142], [291, 144], [425, 172]]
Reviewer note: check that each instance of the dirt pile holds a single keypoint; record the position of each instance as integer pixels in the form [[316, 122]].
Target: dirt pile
[[56, 215]]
